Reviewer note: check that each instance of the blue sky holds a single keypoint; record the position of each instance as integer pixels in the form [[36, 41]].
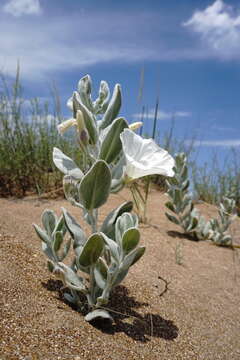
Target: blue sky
[[190, 51]]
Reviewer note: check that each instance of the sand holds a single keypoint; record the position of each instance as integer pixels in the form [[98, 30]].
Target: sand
[[180, 301]]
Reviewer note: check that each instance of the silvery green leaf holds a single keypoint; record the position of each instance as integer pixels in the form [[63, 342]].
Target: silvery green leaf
[[60, 226], [69, 298], [100, 273], [41, 233], [116, 186], [50, 266], [193, 224], [117, 169], [187, 212], [49, 220], [70, 188], [226, 240], [178, 197], [121, 275], [172, 181], [108, 226], [89, 118], [95, 186], [132, 258], [112, 246], [74, 229], [57, 240], [170, 206], [66, 249], [123, 223], [185, 185], [66, 164], [91, 250], [48, 251], [113, 107], [104, 298], [103, 97], [84, 89], [184, 173], [172, 219], [72, 280], [111, 145], [87, 217], [98, 313], [130, 240]]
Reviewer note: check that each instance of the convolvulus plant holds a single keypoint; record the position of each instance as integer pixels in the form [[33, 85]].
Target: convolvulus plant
[[189, 218], [219, 227], [180, 201], [113, 155]]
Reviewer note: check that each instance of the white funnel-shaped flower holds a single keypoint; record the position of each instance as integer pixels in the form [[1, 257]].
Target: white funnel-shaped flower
[[144, 157]]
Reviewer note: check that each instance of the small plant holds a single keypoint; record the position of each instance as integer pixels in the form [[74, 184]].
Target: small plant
[[188, 217], [179, 253], [234, 192], [180, 201], [219, 227], [113, 155]]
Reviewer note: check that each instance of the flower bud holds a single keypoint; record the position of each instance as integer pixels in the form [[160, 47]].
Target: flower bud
[[66, 125], [135, 125], [82, 131]]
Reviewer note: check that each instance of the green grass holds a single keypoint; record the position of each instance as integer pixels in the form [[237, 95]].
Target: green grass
[[28, 132]]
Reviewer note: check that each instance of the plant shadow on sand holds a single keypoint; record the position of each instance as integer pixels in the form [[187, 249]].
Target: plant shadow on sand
[[140, 327], [177, 234]]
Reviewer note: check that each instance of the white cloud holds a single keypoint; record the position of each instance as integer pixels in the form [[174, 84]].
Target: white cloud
[[58, 43], [163, 115], [219, 28], [215, 143], [22, 7]]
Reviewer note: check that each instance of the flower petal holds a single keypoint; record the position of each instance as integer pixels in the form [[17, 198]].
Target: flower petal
[[144, 156]]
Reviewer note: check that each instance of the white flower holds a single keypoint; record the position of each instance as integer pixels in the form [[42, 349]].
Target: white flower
[[144, 157]]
